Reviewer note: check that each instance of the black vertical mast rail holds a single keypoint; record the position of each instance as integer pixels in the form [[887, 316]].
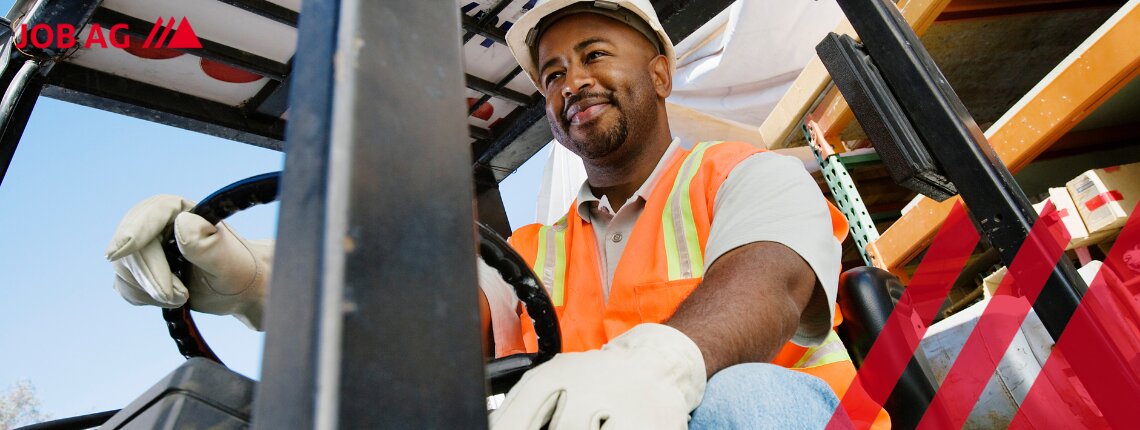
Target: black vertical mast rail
[[286, 395], [896, 91], [382, 330], [995, 201]]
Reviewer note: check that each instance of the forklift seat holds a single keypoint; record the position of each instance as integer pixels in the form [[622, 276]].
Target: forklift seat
[[866, 304]]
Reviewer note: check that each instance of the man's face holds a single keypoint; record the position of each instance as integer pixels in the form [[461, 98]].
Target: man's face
[[597, 76]]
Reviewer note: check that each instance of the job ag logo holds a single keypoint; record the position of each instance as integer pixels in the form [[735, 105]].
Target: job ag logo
[[164, 34]]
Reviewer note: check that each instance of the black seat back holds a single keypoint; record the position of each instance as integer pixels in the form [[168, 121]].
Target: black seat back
[[866, 304]]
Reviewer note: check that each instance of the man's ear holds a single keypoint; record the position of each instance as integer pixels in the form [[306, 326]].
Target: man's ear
[[662, 77]]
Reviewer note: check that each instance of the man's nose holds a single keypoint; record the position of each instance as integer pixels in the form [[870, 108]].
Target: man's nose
[[577, 79]]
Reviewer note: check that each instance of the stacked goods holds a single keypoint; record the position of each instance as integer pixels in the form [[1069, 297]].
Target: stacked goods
[[1105, 197], [1069, 216]]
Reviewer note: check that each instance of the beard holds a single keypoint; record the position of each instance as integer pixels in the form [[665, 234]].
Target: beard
[[597, 141], [632, 115], [594, 140]]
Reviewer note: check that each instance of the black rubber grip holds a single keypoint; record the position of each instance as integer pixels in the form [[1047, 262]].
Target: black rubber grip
[[216, 207]]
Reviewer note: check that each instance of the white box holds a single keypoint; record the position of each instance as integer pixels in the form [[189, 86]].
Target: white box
[[1070, 217], [1105, 197]]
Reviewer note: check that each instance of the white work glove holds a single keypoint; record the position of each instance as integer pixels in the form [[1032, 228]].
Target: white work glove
[[651, 377], [228, 274]]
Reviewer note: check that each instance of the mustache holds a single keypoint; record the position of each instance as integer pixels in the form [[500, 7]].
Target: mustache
[[606, 96]]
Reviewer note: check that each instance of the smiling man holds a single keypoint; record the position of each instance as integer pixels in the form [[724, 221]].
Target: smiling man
[[694, 283], [679, 275]]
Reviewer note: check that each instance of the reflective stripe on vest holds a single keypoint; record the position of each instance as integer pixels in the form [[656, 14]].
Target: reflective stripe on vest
[[830, 351], [550, 265], [683, 251]]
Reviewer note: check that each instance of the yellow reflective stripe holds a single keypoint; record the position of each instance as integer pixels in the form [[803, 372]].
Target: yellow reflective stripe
[[678, 224], [830, 351], [697, 260], [670, 241], [540, 260], [558, 296], [550, 264]]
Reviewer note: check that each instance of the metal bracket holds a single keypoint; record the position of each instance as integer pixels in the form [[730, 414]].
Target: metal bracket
[[843, 189]]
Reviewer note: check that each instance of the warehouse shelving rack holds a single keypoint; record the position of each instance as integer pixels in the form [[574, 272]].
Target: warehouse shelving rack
[[1058, 114], [1075, 97]]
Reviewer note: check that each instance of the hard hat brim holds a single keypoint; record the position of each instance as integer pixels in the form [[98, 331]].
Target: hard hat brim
[[524, 54]]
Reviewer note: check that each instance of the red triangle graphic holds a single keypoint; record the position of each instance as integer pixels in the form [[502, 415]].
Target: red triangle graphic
[[184, 37]]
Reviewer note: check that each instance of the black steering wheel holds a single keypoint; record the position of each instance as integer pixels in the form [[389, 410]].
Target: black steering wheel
[[502, 373]]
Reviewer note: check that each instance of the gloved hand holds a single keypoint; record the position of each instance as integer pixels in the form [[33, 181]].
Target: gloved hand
[[651, 377], [228, 274]]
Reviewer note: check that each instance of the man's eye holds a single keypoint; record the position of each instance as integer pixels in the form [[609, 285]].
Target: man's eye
[[552, 77], [595, 55]]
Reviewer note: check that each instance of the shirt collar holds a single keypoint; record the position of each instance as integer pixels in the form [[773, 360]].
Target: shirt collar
[[587, 200]]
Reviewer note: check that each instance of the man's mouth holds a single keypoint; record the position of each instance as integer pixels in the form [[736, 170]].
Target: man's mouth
[[585, 112]]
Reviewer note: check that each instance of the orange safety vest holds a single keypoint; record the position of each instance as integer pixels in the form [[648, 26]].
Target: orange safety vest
[[662, 263]]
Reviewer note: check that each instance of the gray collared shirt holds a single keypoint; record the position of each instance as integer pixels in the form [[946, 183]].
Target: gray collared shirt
[[612, 228]]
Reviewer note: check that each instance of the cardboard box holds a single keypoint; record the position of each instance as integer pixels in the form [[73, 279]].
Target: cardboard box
[[1105, 197], [1078, 234]]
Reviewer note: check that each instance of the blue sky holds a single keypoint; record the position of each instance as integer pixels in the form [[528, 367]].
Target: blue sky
[[75, 173]]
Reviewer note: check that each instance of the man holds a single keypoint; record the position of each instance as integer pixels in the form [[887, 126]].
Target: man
[[689, 269], [624, 267]]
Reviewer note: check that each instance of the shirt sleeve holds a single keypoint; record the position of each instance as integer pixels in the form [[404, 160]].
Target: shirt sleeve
[[501, 298], [771, 197]]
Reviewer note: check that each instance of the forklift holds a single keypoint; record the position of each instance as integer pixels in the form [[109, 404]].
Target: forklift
[[363, 329]]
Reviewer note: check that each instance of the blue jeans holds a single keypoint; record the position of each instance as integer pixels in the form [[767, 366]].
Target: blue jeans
[[764, 396]]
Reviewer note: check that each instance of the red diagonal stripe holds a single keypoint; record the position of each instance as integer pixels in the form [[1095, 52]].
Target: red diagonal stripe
[[998, 324], [165, 32], [908, 322], [153, 31], [1092, 377]]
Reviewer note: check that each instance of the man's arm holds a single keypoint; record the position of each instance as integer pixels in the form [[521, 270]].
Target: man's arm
[[748, 305], [499, 309], [772, 266], [485, 326]]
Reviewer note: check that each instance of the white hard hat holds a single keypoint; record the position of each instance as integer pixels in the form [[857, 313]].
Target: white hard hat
[[522, 38]]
